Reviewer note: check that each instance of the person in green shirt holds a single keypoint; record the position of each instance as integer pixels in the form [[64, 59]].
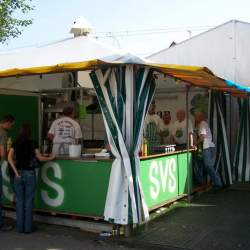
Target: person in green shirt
[[153, 129], [166, 127], [5, 124]]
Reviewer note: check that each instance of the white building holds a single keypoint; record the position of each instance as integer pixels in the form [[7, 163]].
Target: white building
[[223, 49]]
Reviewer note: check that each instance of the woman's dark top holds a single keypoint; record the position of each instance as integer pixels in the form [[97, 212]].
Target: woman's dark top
[[24, 152]]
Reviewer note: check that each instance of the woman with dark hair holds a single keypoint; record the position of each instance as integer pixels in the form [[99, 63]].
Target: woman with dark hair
[[20, 157]]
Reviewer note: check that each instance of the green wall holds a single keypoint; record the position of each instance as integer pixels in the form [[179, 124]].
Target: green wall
[[24, 109]]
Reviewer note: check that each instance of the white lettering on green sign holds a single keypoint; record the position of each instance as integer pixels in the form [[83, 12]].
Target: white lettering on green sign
[[162, 177], [58, 200]]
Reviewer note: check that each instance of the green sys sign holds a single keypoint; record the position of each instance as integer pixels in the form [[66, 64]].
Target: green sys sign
[[165, 178], [67, 186], [80, 187]]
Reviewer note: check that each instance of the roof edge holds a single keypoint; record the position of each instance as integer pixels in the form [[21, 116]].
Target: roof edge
[[184, 41]]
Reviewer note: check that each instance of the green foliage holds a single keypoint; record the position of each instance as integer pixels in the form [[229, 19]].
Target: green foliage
[[199, 103], [10, 24]]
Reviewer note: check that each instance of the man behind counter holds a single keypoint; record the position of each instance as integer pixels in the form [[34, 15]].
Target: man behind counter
[[166, 128], [153, 128], [179, 131], [64, 131]]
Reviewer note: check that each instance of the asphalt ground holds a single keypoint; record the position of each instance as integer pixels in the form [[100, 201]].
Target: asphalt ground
[[52, 237], [216, 221]]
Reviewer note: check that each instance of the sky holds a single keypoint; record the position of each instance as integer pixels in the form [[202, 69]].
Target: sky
[[138, 26]]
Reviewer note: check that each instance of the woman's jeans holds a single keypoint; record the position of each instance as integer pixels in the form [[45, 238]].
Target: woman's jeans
[[207, 164], [25, 190]]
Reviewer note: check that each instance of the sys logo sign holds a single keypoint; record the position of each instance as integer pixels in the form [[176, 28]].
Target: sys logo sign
[[162, 177], [57, 172], [54, 201]]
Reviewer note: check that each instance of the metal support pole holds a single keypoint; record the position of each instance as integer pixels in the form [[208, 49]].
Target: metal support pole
[[230, 128], [92, 126], [128, 230], [81, 120], [188, 142]]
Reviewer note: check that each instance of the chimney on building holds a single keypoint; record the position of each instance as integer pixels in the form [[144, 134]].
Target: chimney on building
[[81, 27]]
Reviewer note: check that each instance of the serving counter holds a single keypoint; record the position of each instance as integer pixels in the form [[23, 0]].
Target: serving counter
[[79, 186]]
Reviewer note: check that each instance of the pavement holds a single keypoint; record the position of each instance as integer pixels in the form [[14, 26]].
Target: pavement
[[218, 221], [51, 237]]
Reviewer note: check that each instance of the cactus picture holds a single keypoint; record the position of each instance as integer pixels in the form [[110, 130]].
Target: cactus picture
[[199, 103], [179, 133]]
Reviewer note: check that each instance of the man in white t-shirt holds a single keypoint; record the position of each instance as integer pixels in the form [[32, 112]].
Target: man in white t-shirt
[[153, 128], [205, 138], [64, 131], [179, 131]]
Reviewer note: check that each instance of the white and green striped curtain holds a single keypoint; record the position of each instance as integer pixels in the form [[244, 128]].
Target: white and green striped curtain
[[124, 93], [217, 115], [242, 152]]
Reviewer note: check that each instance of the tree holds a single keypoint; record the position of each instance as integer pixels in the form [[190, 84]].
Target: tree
[[10, 23]]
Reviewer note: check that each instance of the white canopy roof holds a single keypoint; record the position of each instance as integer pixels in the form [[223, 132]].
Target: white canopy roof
[[78, 49], [44, 59]]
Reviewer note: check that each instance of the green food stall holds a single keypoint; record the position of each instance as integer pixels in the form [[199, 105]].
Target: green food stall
[[78, 186], [122, 190]]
